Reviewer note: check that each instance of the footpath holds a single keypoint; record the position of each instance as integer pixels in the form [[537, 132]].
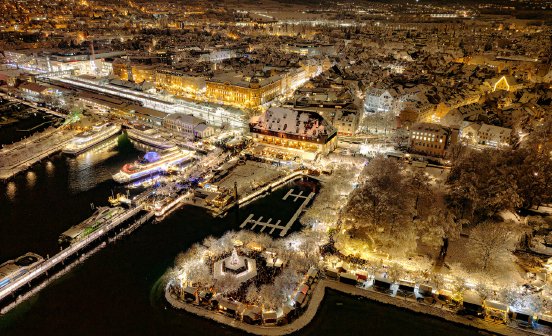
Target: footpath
[[306, 317]]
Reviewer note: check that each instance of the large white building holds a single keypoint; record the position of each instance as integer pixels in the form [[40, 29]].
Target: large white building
[[188, 125], [216, 56], [485, 135], [310, 48], [305, 131], [381, 100], [80, 63]]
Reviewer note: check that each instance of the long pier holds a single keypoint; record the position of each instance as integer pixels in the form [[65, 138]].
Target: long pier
[[6, 149], [19, 157], [270, 187], [68, 252]]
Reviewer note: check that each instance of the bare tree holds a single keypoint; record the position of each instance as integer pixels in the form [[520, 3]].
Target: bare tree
[[439, 227], [491, 243], [331, 198], [481, 183], [252, 295], [418, 186], [271, 297], [287, 281], [227, 284], [199, 273], [382, 208]]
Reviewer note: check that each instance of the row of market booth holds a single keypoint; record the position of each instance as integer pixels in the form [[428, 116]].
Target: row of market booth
[[253, 314], [469, 302]]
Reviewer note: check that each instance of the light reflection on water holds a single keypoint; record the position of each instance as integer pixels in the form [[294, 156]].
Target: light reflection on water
[[85, 170], [38, 204], [31, 179], [50, 169], [11, 190]]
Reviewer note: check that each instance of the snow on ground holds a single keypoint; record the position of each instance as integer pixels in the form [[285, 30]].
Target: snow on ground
[[508, 215], [459, 262], [250, 176]]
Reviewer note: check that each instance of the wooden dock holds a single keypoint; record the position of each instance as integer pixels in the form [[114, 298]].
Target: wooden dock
[[263, 225]]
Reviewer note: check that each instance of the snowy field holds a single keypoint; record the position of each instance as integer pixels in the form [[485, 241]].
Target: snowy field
[[250, 176]]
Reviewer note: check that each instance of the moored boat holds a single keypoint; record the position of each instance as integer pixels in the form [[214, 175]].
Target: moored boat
[[152, 163], [87, 139], [149, 136]]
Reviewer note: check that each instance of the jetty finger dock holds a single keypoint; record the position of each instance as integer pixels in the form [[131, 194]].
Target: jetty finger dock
[[276, 226]]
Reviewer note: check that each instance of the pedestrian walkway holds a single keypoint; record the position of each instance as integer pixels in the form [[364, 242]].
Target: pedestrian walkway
[[306, 317], [20, 156]]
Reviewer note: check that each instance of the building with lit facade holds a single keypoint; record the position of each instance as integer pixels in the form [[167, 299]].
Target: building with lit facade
[[310, 48], [344, 118], [36, 92], [188, 125], [137, 73], [305, 131], [233, 88], [11, 77], [239, 89], [485, 135], [58, 61], [215, 56], [346, 122], [173, 81], [503, 83], [177, 82], [432, 139], [381, 100]]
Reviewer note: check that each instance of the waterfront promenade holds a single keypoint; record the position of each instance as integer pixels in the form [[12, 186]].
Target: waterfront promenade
[[316, 300], [23, 154]]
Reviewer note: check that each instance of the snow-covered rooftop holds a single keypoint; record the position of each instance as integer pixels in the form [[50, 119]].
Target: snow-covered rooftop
[[282, 120]]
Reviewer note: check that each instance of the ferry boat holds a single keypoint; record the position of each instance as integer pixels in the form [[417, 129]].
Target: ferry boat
[[83, 141], [12, 270], [149, 136], [80, 231], [152, 163]]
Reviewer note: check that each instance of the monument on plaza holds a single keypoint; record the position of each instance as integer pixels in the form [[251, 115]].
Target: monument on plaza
[[240, 267]]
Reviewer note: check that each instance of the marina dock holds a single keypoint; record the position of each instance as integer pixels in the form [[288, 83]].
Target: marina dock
[[276, 226]]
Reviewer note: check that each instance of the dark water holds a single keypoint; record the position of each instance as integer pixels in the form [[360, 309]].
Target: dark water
[[118, 290], [346, 315], [29, 122], [41, 203]]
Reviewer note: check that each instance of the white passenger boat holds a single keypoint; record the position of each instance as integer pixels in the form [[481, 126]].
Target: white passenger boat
[[87, 139], [149, 136], [152, 163]]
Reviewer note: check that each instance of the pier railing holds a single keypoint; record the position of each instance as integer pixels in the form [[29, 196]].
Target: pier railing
[[18, 158], [60, 257]]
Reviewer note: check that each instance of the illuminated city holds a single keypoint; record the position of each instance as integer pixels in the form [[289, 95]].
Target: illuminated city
[[275, 167]]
